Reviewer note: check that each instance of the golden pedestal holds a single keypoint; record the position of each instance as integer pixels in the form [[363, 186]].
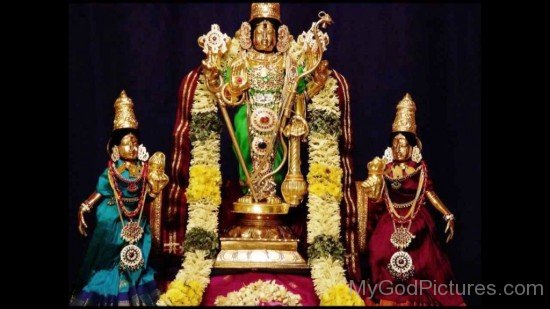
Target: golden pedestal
[[259, 240]]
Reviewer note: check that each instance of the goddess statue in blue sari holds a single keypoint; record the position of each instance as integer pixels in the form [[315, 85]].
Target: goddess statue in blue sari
[[115, 269]]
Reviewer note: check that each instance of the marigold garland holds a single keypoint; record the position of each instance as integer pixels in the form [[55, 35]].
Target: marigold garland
[[325, 180], [204, 184], [341, 294], [181, 293]]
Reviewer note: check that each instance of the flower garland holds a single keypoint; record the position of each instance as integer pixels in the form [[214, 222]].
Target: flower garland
[[204, 199], [326, 252], [260, 293]]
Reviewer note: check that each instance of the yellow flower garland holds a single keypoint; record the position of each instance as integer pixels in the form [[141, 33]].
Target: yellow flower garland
[[180, 293], [341, 295], [325, 180], [204, 184]]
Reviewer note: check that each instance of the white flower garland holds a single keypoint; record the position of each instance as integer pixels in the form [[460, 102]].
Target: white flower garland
[[327, 273], [203, 212], [323, 218], [254, 294], [324, 211], [195, 267]]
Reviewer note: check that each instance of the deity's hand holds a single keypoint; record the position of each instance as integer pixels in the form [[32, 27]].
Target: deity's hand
[[84, 208], [157, 182], [373, 186], [211, 72], [375, 181], [239, 78], [157, 179], [450, 229], [298, 126], [319, 78]]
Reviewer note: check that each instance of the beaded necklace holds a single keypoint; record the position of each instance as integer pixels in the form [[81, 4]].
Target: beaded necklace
[[131, 256]]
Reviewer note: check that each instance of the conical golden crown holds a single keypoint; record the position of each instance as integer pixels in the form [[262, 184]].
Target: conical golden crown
[[265, 10], [405, 117], [124, 113]]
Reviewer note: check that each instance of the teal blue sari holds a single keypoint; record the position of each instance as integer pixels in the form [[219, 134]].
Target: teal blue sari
[[101, 281]]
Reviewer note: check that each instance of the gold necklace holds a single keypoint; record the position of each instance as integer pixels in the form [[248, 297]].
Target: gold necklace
[[131, 256], [264, 57], [401, 265], [414, 201], [396, 182], [133, 169]]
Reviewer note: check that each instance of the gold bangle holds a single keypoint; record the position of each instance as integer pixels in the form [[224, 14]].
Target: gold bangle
[[85, 207], [448, 217]]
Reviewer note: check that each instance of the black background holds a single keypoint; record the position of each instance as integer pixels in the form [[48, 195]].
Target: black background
[[431, 50]]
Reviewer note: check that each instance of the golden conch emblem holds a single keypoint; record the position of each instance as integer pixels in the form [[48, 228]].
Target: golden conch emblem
[[405, 116], [265, 10], [124, 113]]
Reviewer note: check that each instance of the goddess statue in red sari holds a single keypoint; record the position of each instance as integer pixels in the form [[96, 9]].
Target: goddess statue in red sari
[[398, 231]]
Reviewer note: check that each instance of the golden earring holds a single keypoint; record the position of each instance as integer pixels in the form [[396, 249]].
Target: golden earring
[[115, 155]]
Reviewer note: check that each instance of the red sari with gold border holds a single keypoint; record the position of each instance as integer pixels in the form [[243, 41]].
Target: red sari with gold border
[[430, 262]]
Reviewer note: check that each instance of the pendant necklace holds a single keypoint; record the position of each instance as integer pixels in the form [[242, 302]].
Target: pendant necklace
[[131, 256], [401, 265]]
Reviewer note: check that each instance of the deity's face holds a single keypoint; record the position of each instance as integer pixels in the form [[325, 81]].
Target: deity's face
[[400, 148], [264, 36], [128, 147]]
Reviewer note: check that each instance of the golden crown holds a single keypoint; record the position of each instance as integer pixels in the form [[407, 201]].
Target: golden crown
[[265, 10], [124, 113], [405, 117]]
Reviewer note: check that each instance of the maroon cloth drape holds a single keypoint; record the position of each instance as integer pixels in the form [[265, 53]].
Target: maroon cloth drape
[[175, 203], [348, 207]]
